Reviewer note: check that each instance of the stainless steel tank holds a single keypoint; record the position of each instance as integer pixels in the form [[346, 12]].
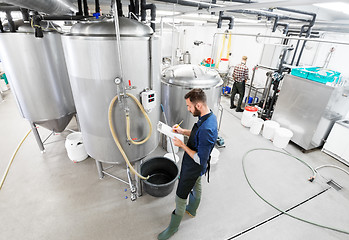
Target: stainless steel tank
[[180, 79], [38, 76], [93, 64]]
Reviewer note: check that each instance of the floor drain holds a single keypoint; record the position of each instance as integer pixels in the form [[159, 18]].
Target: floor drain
[[334, 185]]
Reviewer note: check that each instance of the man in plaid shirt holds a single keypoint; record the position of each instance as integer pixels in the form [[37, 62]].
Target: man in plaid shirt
[[240, 76]]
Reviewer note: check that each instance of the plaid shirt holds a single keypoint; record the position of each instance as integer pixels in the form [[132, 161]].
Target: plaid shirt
[[240, 72]]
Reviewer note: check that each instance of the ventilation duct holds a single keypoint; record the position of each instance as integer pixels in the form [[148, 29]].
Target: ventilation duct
[[56, 7]]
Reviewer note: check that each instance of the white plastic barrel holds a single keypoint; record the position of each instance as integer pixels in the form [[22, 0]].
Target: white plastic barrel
[[282, 137], [248, 116], [269, 129], [256, 126], [75, 147]]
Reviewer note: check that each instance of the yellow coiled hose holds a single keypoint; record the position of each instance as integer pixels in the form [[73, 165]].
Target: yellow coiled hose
[[112, 130]]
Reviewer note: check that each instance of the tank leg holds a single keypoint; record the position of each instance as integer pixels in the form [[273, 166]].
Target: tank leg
[[100, 169], [37, 137], [138, 181]]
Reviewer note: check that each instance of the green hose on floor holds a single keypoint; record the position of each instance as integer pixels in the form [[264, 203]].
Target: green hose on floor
[[297, 218]]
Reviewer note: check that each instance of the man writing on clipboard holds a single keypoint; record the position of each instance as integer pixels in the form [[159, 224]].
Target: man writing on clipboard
[[195, 163]]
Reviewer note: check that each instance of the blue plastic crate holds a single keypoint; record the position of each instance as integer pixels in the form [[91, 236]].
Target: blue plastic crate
[[317, 74], [300, 72], [324, 76]]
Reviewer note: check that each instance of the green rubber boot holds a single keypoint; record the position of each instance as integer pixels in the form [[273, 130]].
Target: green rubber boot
[[172, 228], [193, 205]]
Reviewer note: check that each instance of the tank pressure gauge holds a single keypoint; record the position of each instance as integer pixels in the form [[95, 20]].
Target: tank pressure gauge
[[148, 100]]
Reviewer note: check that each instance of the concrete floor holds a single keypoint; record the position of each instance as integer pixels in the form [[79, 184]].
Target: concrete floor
[[47, 196]]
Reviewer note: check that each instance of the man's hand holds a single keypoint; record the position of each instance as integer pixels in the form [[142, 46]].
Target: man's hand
[[177, 129], [177, 142]]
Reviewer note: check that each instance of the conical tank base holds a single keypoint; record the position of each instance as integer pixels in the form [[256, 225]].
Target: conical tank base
[[56, 125]]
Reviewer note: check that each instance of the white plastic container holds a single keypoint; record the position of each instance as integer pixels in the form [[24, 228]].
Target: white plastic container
[[269, 129], [248, 116], [214, 156], [170, 156], [169, 148], [75, 147], [256, 126], [282, 137]]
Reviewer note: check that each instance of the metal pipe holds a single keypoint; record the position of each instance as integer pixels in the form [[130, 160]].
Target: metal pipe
[[85, 8], [284, 37], [25, 14], [137, 8], [11, 24], [9, 8], [61, 18], [249, 90], [266, 14], [37, 137], [222, 17], [119, 8], [97, 6], [115, 177], [59, 7], [100, 169], [297, 45], [80, 8]]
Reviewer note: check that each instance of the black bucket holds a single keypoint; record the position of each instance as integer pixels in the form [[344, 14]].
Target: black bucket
[[163, 174]]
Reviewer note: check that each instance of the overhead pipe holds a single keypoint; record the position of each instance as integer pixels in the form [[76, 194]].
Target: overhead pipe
[[85, 8], [311, 24], [137, 8], [131, 7], [266, 14], [152, 8], [222, 17], [119, 8], [57, 7], [97, 7], [11, 24], [277, 23], [25, 14], [9, 8], [80, 8], [61, 18]]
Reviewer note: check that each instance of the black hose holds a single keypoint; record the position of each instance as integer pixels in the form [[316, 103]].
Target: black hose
[[273, 206]]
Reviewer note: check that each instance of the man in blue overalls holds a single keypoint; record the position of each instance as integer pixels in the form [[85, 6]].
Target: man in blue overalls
[[202, 138]]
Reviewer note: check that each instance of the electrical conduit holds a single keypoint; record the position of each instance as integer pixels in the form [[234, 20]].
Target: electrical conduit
[[112, 130]]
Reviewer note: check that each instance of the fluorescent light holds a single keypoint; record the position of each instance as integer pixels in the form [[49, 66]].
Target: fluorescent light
[[335, 6]]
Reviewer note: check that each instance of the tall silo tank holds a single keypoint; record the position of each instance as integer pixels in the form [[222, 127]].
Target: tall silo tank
[[93, 64], [178, 80], [38, 76]]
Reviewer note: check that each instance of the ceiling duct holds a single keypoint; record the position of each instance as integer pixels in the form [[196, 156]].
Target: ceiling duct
[[55, 7]]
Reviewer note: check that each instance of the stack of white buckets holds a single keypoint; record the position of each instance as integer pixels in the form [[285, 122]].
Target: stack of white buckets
[[271, 129]]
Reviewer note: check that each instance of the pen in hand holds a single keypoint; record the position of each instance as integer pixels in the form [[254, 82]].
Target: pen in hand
[[178, 124]]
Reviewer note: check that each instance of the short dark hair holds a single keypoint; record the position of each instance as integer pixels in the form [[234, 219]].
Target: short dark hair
[[196, 95]]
